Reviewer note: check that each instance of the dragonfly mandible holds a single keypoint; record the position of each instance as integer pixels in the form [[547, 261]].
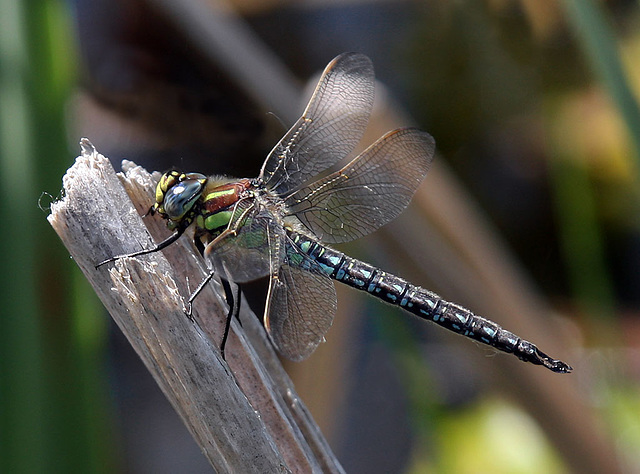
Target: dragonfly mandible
[[278, 224]]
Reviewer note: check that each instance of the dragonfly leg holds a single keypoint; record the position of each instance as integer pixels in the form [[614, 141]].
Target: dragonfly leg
[[165, 243], [196, 292], [233, 300], [232, 295]]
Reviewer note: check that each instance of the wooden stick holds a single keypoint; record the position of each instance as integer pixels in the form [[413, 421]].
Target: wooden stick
[[244, 413]]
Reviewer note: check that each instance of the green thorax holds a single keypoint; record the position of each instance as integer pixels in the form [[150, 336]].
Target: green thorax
[[218, 205]]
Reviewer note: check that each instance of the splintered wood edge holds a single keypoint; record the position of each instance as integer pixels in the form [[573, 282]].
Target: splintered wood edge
[[245, 416]]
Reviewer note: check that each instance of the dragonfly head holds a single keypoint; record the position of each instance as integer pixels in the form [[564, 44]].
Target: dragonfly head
[[176, 194]]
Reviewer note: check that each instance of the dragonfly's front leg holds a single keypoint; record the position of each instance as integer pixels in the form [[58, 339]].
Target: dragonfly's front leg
[[165, 243]]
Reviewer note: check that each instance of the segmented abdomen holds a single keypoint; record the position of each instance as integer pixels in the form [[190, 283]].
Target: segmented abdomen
[[423, 303]]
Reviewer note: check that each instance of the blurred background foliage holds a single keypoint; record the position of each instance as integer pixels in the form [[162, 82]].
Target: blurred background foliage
[[533, 104]]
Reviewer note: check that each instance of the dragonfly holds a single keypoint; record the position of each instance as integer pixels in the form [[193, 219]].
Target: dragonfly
[[280, 224]]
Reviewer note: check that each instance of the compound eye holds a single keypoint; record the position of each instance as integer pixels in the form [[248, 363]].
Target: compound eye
[[181, 197], [167, 181]]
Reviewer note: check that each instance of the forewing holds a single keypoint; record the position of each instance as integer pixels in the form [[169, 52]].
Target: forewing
[[330, 127], [300, 308], [370, 191], [254, 249]]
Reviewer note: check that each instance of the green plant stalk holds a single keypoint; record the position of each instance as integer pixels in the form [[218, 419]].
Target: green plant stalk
[[597, 39], [22, 434], [50, 418], [581, 237], [78, 430]]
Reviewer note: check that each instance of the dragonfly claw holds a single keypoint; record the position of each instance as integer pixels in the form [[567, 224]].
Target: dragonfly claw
[[188, 311]]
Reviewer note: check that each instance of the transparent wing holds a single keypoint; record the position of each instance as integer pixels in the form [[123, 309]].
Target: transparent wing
[[370, 191], [330, 127], [254, 249], [300, 308], [301, 302]]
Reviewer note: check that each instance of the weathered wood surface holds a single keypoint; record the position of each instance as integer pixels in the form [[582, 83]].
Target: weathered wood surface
[[244, 413]]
